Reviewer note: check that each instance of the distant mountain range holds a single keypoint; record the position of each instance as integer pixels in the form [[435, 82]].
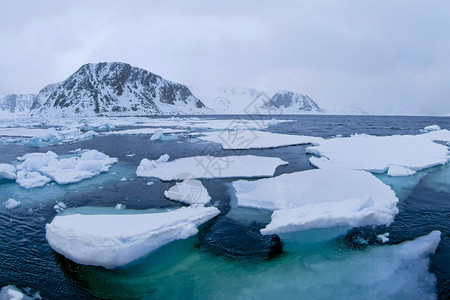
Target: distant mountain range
[[120, 89], [239, 100]]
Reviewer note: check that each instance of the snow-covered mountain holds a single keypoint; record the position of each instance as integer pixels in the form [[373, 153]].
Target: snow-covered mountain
[[16, 104], [116, 89], [251, 101]]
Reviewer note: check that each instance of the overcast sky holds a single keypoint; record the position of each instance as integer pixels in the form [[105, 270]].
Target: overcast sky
[[383, 56]]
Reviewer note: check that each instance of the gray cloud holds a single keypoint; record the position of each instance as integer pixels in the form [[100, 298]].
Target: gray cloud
[[383, 56]]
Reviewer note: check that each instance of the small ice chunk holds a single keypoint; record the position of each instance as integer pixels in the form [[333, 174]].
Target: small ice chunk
[[399, 171], [116, 240], [157, 135], [131, 154], [123, 179], [150, 183], [59, 206], [7, 171], [209, 167], [11, 203], [189, 191], [119, 206], [383, 237], [431, 128]]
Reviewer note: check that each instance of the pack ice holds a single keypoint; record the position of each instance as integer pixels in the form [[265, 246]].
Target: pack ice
[[255, 139], [115, 240], [319, 199], [209, 167], [37, 169], [399, 155], [7, 171]]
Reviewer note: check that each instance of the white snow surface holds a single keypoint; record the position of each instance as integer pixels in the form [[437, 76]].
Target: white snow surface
[[11, 203], [399, 171], [209, 167], [111, 241], [377, 153], [319, 199], [188, 191], [256, 139], [7, 171], [37, 169]]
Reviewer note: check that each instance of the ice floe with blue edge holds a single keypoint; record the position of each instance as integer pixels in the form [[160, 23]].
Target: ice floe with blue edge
[[116, 240], [37, 169], [319, 198], [399, 155], [8, 172], [209, 167]]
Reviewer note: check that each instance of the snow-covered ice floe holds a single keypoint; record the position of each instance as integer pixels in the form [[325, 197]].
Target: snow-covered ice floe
[[319, 199], [255, 139], [116, 240], [209, 167], [431, 128], [189, 191], [43, 137], [7, 171], [10, 292], [399, 155], [37, 169], [11, 203]]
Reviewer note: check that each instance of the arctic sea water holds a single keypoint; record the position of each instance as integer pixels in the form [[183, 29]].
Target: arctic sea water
[[229, 258]]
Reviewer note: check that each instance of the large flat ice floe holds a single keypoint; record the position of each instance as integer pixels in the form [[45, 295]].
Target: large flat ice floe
[[37, 169], [319, 199], [209, 167], [255, 139], [116, 240], [405, 154]]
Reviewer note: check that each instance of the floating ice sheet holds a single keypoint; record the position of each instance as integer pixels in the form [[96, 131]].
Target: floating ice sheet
[[116, 240], [319, 199], [37, 169], [377, 154], [209, 167], [255, 139], [7, 171]]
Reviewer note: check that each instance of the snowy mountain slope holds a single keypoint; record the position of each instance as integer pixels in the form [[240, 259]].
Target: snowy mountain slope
[[16, 104], [240, 100], [116, 89]]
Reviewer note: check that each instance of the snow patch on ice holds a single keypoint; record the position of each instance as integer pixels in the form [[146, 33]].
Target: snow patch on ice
[[383, 237]]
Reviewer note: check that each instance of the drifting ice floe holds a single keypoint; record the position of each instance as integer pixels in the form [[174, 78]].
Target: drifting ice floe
[[379, 154], [254, 139], [37, 169], [319, 199], [209, 167], [7, 172], [116, 240], [189, 191]]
